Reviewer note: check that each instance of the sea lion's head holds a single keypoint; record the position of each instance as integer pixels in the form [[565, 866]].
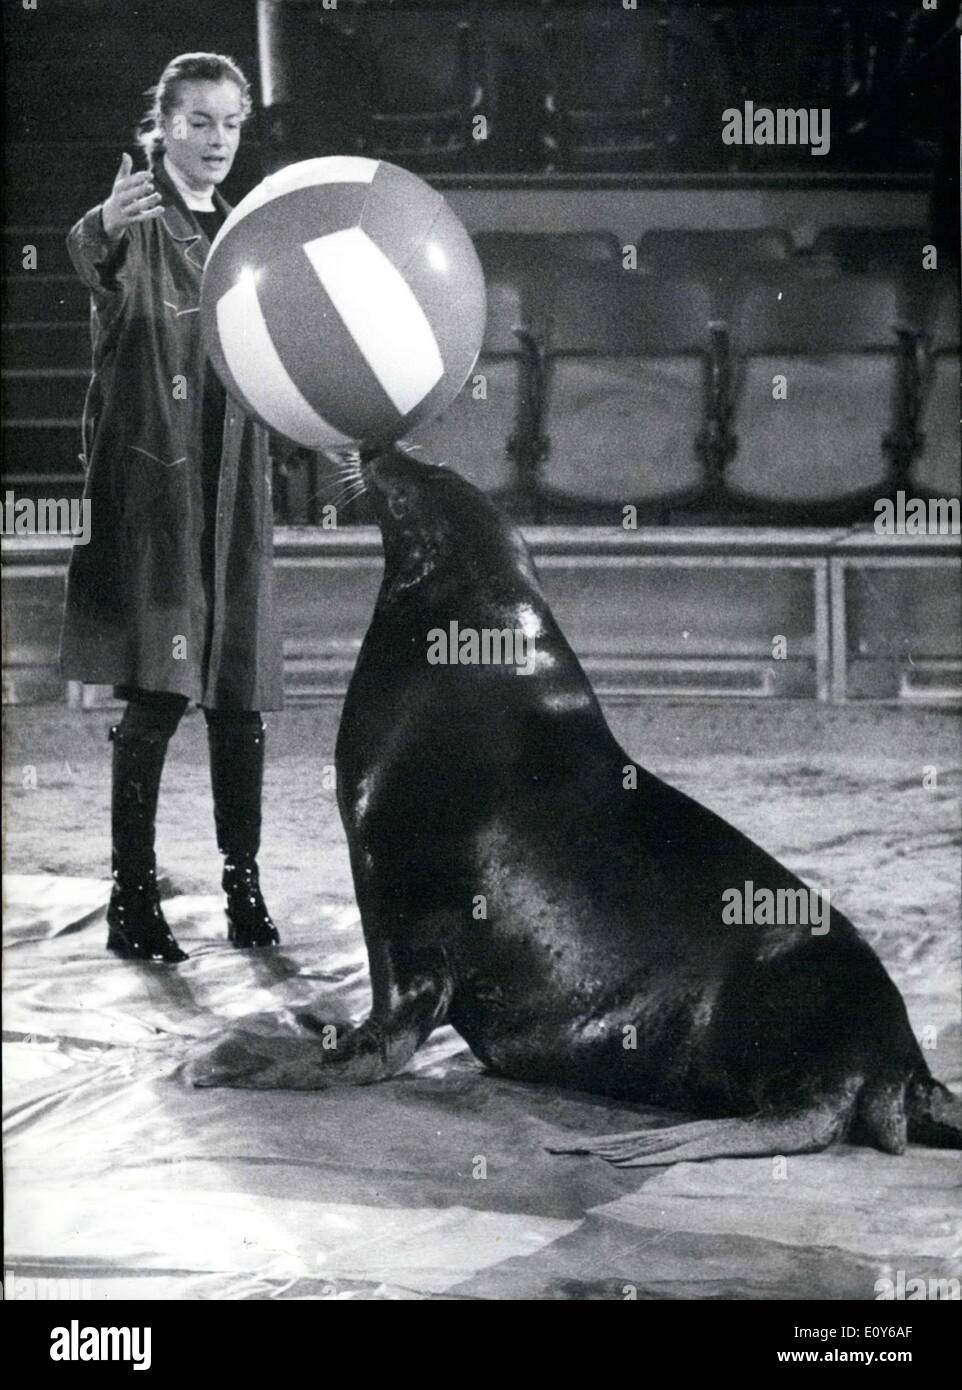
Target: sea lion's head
[[442, 535]]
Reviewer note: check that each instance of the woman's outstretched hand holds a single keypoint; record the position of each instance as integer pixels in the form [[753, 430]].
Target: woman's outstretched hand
[[132, 199]]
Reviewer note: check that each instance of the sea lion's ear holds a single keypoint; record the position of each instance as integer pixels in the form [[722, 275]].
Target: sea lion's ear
[[397, 505]]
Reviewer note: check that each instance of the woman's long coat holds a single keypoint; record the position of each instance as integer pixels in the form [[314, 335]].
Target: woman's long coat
[[136, 610]]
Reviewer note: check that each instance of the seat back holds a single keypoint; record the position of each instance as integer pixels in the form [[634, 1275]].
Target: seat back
[[419, 108], [605, 309], [803, 314], [717, 257], [626, 392], [873, 249], [817, 385], [533, 261]]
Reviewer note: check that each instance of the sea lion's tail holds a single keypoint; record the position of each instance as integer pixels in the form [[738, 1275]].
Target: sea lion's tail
[[934, 1114]]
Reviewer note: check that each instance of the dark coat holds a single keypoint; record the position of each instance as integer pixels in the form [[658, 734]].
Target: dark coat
[[137, 610]]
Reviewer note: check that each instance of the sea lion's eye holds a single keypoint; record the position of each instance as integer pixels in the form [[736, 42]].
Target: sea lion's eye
[[398, 505]]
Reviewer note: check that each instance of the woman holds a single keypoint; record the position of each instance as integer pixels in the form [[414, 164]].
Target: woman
[[171, 600]]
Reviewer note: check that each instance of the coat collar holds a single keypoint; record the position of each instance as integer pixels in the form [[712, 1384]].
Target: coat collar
[[178, 218]]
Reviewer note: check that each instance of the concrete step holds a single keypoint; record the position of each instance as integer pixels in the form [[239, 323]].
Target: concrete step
[[37, 298], [44, 393], [63, 345], [41, 446], [42, 485]]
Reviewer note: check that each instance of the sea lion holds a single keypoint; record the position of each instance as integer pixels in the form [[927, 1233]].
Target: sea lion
[[521, 878]]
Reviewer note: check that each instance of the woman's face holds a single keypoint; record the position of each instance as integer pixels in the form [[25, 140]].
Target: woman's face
[[202, 132]]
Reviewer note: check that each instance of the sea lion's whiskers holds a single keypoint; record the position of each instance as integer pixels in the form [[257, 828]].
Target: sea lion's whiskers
[[352, 493], [345, 494], [333, 491]]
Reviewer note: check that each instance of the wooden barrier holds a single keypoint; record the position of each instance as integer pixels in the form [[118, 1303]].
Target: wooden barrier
[[824, 614]]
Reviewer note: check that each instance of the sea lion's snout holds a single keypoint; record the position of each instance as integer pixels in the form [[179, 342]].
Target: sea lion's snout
[[392, 484], [434, 522], [403, 489], [413, 526]]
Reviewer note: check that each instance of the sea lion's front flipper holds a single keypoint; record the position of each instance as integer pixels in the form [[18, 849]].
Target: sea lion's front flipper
[[775, 1132], [251, 1061], [334, 1055], [934, 1114]]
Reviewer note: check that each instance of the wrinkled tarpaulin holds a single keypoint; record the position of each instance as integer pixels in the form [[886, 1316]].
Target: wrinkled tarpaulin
[[118, 1173]]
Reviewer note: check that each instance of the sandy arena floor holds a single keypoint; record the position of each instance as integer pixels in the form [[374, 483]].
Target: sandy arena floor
[[117, 1173]]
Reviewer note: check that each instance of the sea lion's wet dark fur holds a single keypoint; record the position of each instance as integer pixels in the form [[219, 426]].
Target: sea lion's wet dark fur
[[510, 884]]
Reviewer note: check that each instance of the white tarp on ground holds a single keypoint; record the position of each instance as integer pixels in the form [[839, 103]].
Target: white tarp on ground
[[117, 1172]]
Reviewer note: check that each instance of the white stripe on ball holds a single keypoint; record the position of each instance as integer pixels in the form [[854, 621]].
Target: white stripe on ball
[[381, 313], [335, 168], [261, 375]]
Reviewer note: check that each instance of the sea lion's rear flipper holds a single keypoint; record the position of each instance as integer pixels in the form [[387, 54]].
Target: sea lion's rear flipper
[[775, 1132], [934, 1115]]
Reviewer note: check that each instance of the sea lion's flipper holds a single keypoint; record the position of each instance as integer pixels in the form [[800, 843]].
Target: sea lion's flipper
[[882, 1121], [934, 1115], [328, 1055], [775, 1132], [251, 1061]]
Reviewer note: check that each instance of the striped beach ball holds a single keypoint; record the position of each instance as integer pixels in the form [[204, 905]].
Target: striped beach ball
[[343, 302]]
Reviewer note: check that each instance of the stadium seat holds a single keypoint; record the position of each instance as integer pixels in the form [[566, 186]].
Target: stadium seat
[[603, 112], [834, 341], [631, 90], [421, 116], [627, 387]]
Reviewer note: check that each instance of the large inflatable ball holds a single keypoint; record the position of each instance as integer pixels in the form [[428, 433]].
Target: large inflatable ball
[[343, 302]]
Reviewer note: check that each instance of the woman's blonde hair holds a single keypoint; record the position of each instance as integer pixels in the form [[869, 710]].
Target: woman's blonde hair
[[188, 67]]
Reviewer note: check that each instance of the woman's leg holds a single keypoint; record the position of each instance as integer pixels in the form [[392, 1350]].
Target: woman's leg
[[236, 740], [137, 929]]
